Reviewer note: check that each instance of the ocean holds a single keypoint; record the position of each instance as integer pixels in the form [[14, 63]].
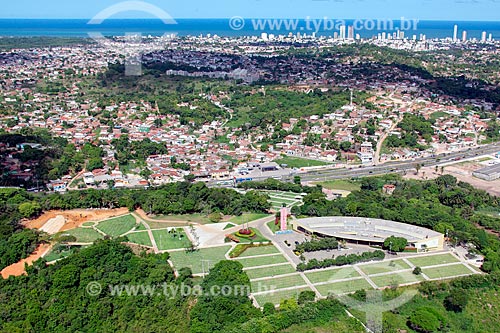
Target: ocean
[[222, 27]]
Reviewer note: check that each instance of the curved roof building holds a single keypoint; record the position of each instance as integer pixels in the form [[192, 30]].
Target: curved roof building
[[369, 231]]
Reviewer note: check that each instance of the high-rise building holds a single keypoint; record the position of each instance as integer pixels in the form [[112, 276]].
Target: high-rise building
[[483, 37], [350, 32], [342, 32], [464, 36], [383, 35], [402, 35], [455, 33], [264, 36], [490, 38]]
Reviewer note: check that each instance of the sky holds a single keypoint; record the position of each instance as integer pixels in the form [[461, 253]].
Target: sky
[[454, 10]]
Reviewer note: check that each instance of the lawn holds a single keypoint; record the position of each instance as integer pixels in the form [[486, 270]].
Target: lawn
[[439, 259], [117, 226], [257, 273], [332, 274], [163, 225], [259, 250], [384, 267], [198, 218], [170, 240], [277, 297], [88, 224], [59, 254], [396, 279], [439, 114], [262, 261], [199, 261], [247, 217], [277, 283], [339, 288], [446, 271], [297, 162], [341, 185], [84, 235], [141, 238]]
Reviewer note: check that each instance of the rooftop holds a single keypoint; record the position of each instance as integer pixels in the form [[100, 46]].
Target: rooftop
[[365, 229]]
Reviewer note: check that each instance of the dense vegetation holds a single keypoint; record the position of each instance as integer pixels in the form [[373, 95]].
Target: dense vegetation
[[317, 245], [413, 127], [15, 242], [276, 185], [349, 259]]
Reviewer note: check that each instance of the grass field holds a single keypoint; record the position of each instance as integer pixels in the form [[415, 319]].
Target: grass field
[[275, 227], [262, 261], [433, 260], [163, 225], [260, 250], [342, 185], [439, 114], [200, 260], [278, 283], [85, 235], [297, 162], [198, 218], [258, 273], [88, 224], [384, 267], [446, 271], [396, 279], [140, 227], [277, 297], [166, 240], [117, 226], [338, 288], [332, 274], [141, 238], [247, 217]]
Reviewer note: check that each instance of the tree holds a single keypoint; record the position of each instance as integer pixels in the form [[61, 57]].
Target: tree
[[268, 309], [306, 296], [417, 270], [426, 320], [95, 163], [345, 146], [215, 217], [297, 180], [396, 244], [29, 209], [456, 301]]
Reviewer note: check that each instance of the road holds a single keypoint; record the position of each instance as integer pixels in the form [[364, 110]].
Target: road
[[399, 166], [386, 168]]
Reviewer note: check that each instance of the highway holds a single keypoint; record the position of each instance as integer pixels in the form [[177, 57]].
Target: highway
[[399, 166], [389, 167]]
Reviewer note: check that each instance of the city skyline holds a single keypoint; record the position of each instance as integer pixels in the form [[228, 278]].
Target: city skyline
[[447, 10]]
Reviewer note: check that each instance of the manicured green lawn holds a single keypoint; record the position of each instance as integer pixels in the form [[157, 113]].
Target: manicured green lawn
[[342, 185], [338, 288], [141, 238], [271, 271], [446, 271], [384, 267], [196, 217], [169, 240], [140, 227], [332, 274], [260, 250], [433, 260], [278, 283], [84, 235], [88, 224], [297, 162], [117, 226], [247, 217], [199, 261], [396, 278], [253, 262], [277, 297]]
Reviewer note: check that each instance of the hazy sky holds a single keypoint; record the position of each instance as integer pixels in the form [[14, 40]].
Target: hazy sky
[[482, 10]]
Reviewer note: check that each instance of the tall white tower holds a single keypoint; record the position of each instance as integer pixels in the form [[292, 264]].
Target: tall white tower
[[464, 36], [455, 33], [483, 37]]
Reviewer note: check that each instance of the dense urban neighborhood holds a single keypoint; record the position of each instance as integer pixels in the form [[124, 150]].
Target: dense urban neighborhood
[[274, 183]]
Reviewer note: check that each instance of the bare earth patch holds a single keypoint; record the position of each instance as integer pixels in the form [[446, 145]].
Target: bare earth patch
[[74, 218], [17, 269]]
